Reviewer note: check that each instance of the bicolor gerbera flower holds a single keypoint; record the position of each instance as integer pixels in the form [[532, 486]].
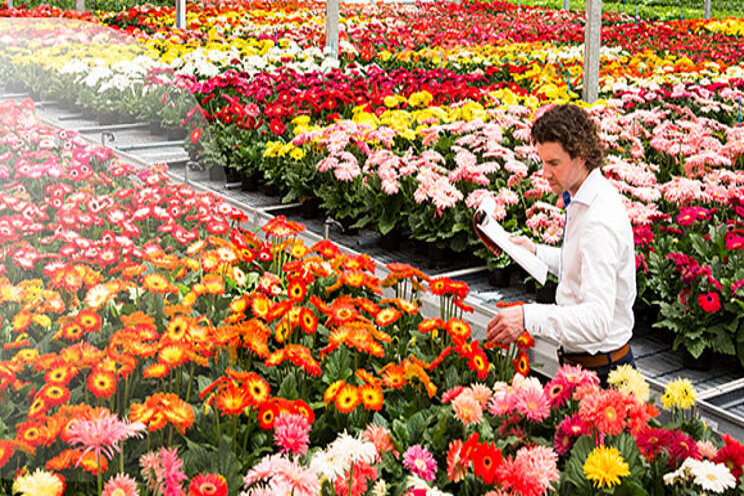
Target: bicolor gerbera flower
[[291, 433], [39, 482], [120, 485], [208, 485], [420, 462]]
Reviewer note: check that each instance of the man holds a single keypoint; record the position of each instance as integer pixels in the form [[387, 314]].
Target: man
[[592, 319]]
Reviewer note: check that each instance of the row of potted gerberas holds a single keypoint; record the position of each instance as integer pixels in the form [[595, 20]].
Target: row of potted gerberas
[[153, 346]]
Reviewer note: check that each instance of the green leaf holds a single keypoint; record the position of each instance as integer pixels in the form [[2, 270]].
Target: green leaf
[[573, 476], [288, 389]]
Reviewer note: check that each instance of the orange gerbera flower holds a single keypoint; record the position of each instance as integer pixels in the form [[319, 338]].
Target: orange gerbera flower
[[387, 316], [296, 290], [393, 376], [21, 321], [54, 395], [239, 305], [281, 227], [267, 414], [213, 284], [89, 320], [60, 374], [174, 355], [6, 451], [522, 364], [71, 330], [458, 329], [63, 461], [31, 434], [308, 321], [259, 391], [158, 283], [178, 329], [38, 407], [102, 383], [260, 305], [196, 247], [255, 336], [332, 391], [231, 399], [347, 399], [372, 397], [156, 371]]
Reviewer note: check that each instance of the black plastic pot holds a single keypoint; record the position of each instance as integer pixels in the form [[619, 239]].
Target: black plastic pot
[[391, 240], [437, 256], [546, 293], [310, 208], [108, 118], [15, 87], [232, 175], [217, 173], [176, 134], [348, 230], [270, 189], [155, 128], [703, 363], [249, 181], [500, 277]]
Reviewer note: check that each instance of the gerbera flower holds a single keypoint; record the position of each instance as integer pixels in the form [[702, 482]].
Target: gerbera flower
[[604, 410], [89, 320], [308, 321], [387, 316], [570, 429], [158, 283], [372, 397], [258, 390], [356, 479], [457, 463], [155, 371], [630, 381], [39, 482], [605, 466], [291, 433], [332, 391], [714, 477], [486, 458], [102, 383], [102, 434], [558, 392], [347, 398], [468, 410], [709, 302], [120, 485], [267, 415], [379, 435], [532, 403], [208, 485], [6, 451], [178, 329], [54, 395], [420, 462], [679, 393], [731, 455], [652, 440]]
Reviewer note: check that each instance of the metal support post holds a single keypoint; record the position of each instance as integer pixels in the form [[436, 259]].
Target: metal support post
[[332, 27], [707, 9], [80, 5], [180, 14], [592, 42]]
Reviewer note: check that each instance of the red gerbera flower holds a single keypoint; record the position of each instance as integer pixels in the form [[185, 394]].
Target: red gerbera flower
[[6, 451], [731, 455], [709, 302], [195, 135], [486, 459]]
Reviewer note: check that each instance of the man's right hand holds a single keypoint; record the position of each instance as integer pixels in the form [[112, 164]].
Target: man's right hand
[[524, 242]]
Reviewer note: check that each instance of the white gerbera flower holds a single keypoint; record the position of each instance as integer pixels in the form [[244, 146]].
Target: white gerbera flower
[[714, 477]]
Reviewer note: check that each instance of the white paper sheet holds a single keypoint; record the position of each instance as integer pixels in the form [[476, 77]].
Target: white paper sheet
[[491, 228]]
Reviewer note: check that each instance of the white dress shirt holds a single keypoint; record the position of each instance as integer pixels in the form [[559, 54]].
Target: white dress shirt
[[596, 274]]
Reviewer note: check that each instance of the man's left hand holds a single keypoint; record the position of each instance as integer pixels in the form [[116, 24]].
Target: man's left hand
[[506, 326]]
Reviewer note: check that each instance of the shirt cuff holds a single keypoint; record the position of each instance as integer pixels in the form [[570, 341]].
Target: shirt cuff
[[536, 320]]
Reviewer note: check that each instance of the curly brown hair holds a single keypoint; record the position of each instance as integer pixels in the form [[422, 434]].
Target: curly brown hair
[[574, 130]]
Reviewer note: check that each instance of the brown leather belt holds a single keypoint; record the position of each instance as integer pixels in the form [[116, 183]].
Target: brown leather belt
[[594, 361]]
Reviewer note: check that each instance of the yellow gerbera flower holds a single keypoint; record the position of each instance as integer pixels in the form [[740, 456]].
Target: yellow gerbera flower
[[604, 466], [679, 393]]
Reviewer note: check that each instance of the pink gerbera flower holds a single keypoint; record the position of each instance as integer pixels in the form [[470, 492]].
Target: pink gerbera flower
[[532, 403], [467, 409], [419, 461], [102, 434], [120, 485], [291, 433], [570, 429]]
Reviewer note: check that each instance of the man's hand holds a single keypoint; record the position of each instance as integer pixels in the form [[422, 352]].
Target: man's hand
[[506, 326], [524, 242]]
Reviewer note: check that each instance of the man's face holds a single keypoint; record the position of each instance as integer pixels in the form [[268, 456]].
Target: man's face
[[559, 169]]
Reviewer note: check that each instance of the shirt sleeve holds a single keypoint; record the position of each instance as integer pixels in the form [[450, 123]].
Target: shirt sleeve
[[587, 322], [551, 255]]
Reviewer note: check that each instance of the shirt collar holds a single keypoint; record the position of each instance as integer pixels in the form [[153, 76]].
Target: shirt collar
[[588, 189]]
